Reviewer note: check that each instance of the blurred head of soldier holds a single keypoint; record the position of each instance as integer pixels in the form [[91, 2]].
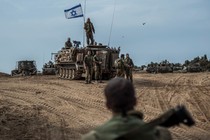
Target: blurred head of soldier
[[127, 55], [122, 56], [88, 19], [69, 39], [120, 95]]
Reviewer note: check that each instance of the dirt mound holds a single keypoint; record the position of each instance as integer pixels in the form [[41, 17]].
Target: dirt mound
[[4, 74]]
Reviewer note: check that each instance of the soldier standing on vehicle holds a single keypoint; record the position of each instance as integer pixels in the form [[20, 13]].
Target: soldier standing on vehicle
[[97, 67], [128, 67], [68, 44], [121, 100], [88, 65], [119, 65], [89, 28]]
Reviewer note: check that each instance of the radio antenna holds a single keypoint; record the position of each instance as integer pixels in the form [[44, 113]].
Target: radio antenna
[[112, 22]]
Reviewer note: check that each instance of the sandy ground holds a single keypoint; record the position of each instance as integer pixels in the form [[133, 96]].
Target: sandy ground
[[48, 108]]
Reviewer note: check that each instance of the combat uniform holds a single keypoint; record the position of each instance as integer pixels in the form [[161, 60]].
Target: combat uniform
[[97, 67], [119, 126], [128, 68], [120, 68], [89, 28], [88, 62], [68, 44]]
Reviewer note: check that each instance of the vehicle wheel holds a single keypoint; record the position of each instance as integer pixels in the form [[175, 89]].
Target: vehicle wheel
[[60, 72], [64, 73], [73, 74]]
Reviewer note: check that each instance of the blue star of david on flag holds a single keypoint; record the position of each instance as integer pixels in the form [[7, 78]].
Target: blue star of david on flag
[[74, 12]]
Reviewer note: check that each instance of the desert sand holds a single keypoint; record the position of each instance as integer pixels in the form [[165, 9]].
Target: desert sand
[[49, 108]]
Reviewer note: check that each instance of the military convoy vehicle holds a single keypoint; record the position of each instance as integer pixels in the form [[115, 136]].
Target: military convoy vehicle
[[151, 69], [69, 62], [194, 68], [48, 69], [178, 67], [164, 68], [24, 68]]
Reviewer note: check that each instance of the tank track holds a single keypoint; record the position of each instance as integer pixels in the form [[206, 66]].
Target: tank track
[[69, 73]]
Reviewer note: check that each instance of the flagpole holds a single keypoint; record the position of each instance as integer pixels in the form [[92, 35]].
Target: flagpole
[[84, 23]]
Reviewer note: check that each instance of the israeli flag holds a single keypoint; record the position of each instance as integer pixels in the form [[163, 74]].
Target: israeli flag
[[74, 12]]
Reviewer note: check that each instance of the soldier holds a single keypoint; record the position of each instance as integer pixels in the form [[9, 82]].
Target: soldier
[[97, 67], [119, 65], [121, 100], [89, 28], [88, 65], [68, 44], [128, 67], [50, 64]]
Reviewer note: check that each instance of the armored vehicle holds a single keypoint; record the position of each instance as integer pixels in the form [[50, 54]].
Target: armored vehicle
[[165, 67], [25, 68], [177, 67], [151, 69], [69, 62], [194, 68], [49, 69]]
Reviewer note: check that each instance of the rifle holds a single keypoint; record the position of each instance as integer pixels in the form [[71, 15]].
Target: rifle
[[172, 117], [76, 43]]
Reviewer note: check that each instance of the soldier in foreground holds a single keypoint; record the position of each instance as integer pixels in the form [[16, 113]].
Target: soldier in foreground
[[128, 124], [128, 68], [68, 44], [89, 29], [97, 67], [120, 67], [88, 65]]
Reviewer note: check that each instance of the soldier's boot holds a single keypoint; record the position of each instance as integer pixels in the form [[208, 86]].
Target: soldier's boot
[[88, 41], [92, 41]]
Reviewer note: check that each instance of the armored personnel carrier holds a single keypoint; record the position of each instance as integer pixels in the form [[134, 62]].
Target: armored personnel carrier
[[69, 61], [151, 69], [49, 69], [25, 68], [194, 68], [165, 67]]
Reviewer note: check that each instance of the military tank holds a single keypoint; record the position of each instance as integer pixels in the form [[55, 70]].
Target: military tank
[[69, 61], [151, 69], [165, 67], [48, 69], [194, 68], [25, 68]]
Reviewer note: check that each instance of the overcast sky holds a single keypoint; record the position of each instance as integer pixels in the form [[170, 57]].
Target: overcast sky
[[175, 29]]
